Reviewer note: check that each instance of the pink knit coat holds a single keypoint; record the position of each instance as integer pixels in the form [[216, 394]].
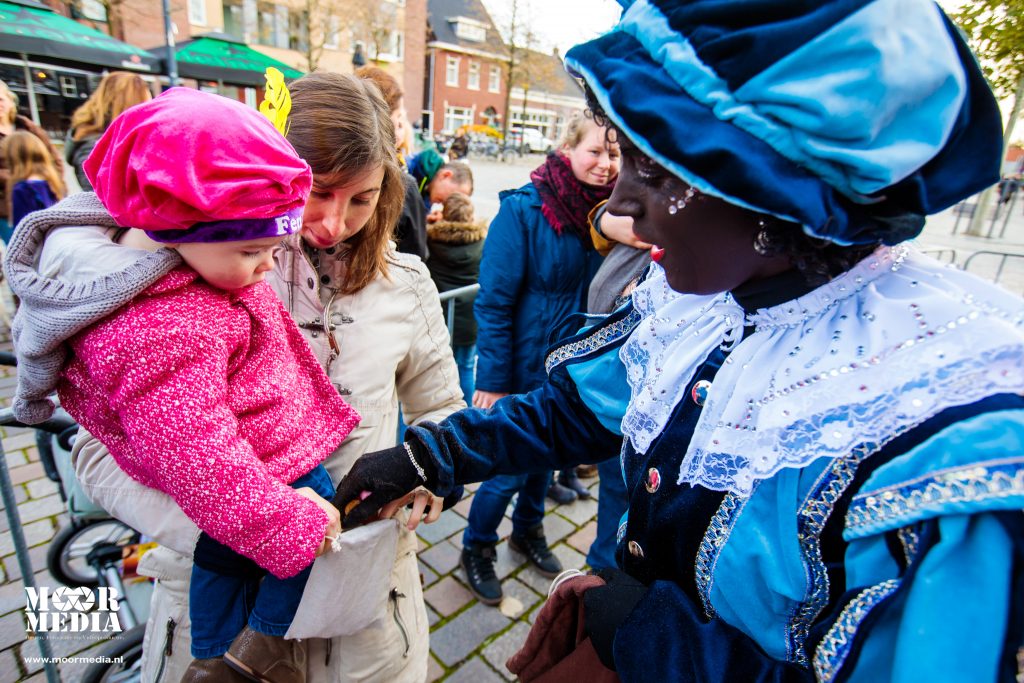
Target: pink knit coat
[[214, 398]]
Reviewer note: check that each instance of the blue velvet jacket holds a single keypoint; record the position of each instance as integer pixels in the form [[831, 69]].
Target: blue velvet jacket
[[903, 564]]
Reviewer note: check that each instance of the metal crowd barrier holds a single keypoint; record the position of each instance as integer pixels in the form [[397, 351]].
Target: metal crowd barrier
[[1001, 255], [449, 298]]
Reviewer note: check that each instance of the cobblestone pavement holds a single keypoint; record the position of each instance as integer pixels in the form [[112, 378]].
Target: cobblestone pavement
[[470, 642]]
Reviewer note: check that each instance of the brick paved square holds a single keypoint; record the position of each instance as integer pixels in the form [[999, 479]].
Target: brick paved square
[[432, 617], [474, 671], [9, 672], [35, 533], [442, 557], [434, 670], [582, 539], [579, 512], [517, 593], [498, 652], [556, 528], [447, 596], [41, 508], [571, 559], [427, 575], [462, 507], [462, 635], [448, 524]]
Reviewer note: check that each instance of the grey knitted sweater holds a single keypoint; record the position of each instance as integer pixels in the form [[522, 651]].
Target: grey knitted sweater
[[54, 310]]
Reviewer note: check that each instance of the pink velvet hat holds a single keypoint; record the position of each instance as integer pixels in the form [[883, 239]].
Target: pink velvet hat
[[190, 166]]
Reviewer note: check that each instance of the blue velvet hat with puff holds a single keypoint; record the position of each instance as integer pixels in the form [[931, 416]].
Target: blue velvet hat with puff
[[853, 118]]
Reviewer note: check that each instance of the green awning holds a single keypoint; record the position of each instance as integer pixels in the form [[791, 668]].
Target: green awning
[[35, 30], [219, 57]]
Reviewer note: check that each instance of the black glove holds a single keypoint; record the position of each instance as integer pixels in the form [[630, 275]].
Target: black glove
[[606, 607], [387, 475]]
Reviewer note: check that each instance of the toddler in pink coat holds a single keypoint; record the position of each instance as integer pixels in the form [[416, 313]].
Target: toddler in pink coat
[[144, 306]]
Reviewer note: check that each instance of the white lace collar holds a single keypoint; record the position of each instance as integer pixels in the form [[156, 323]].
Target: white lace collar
[[860, 360]]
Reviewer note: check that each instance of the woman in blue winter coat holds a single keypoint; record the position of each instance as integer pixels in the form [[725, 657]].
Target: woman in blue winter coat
[[538, 262]]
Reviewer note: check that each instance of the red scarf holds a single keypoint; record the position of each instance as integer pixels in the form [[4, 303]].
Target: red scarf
[[565, 201]]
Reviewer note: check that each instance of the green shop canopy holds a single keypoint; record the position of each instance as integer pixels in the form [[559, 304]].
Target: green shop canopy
[[220, 57], [33, 29]]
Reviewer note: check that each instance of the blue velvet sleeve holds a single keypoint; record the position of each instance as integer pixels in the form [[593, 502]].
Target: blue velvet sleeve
[[549, 428]]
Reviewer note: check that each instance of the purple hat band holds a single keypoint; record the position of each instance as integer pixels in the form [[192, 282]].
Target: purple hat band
[[234, 230]]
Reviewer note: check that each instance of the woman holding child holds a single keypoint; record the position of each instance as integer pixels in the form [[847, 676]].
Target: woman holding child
[[371, 318]]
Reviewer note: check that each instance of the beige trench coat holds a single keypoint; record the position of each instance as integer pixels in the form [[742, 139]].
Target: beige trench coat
[[393, 347]]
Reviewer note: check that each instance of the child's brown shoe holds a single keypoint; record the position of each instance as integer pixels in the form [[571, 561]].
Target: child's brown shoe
[[268, 659], [213, 670]]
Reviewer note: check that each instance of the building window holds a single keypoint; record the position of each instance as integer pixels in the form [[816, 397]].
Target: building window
[[451, 76], [468, 29], [234, 24], [456, 117], [298, 30], [494, 83], [473, 82], [267, 28], [250, 97], [331, 31], [93, 10], [197, 12]]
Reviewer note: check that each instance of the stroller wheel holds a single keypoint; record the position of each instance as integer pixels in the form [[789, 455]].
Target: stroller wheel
[[66, 557], [128, 648]]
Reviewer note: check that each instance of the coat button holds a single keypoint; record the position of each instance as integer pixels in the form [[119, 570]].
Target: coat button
[[653, 482], [635, 550], [699, 393], [309, 281], [325, 279]]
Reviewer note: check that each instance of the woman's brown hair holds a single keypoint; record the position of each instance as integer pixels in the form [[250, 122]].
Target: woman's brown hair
[[341, 126], [118, 91], [27, 156]]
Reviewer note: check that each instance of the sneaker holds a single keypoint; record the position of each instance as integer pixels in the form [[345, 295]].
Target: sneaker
[[213, 670], [568, 479], [267, 658], [478, 563], [534, 545], [560, 494]]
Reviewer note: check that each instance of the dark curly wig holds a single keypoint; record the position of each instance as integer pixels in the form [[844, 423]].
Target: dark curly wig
[[816, 259]]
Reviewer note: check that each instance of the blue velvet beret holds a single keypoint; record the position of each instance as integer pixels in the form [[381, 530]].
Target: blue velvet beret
[[853, 118]]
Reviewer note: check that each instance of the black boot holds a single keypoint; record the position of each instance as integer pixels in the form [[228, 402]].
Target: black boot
[[533, 544], [560, 494], [478, 563], [568, 479]]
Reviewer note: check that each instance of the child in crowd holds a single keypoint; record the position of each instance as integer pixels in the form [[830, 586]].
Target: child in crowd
[[456, 242], [35, 181], [165, 343]]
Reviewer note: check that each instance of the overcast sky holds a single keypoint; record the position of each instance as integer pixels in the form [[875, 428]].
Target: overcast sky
[[561, 23]]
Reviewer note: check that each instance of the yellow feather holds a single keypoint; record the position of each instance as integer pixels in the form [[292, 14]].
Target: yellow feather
[[277, 101]]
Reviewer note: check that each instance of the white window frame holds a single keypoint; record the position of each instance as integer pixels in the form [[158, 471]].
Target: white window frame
[[473, 76], [450, 64], [197, 12], [456, 117], [494, 82]]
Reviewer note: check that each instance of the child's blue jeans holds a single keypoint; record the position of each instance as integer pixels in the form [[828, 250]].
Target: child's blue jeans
[[220, 605]]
